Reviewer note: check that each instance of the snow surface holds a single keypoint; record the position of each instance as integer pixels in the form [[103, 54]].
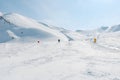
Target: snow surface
[[74, 60], [111, 40]]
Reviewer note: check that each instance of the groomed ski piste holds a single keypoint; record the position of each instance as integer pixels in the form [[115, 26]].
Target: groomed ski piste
[[78, 59]]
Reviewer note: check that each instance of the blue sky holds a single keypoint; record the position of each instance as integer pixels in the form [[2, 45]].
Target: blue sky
[[70, 14]]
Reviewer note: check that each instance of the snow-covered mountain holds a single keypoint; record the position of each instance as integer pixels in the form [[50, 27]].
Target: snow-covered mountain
[[103, 29], [60, 29], [14, 26], [53, 27], [115, 28], [71, 35], [98, 30], [106, 36]]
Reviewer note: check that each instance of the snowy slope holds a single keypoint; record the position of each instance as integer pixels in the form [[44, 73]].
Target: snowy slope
[[106, 36], [77, 60], [111, 40], [53, 27], [71, 35], [111, 37], [74, 60], [59, 29], [25, 28]]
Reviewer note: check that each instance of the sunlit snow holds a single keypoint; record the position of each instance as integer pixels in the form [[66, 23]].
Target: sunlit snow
[[76, 57]]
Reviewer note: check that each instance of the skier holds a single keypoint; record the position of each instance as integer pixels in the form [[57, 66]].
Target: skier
[[38, 41], [58, 40], [95, 40]]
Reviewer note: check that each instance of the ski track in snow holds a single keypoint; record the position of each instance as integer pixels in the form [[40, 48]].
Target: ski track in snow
[[58, 61]]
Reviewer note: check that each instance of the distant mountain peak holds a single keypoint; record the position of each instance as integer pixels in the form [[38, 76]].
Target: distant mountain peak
[[115, 28]]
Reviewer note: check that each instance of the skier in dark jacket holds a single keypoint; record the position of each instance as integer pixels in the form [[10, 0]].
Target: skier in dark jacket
[[58, 40]]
